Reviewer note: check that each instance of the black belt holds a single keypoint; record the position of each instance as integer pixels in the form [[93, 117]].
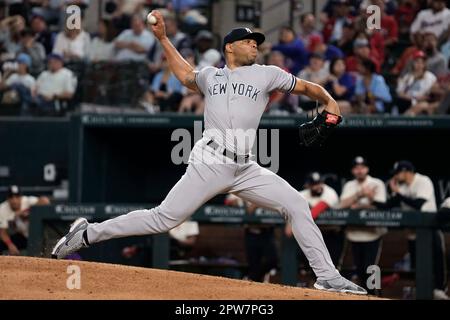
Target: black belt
[[231, 155]]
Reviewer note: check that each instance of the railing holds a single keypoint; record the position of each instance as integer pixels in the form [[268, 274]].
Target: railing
[[423, 223]]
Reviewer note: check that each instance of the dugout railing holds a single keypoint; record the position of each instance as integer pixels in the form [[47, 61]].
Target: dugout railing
[[423, 223]]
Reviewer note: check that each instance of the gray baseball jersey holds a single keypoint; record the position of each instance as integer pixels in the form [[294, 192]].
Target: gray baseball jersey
[[235, 101]]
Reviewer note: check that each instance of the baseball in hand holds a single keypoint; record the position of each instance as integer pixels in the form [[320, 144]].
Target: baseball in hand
[[151, 18]]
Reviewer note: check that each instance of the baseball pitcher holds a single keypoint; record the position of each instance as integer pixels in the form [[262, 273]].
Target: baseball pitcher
[[220, 162]]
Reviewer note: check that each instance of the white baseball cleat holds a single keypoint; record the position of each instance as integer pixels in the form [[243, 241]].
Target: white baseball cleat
[[339, 284], [72, 241]]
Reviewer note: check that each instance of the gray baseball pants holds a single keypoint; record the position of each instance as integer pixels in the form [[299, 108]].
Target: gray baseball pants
[[210, 173]]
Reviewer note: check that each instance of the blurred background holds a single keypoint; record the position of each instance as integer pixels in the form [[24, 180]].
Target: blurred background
[[87, 114]]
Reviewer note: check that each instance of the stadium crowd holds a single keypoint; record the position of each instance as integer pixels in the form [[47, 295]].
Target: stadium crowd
[[400, 68], [406, 189]]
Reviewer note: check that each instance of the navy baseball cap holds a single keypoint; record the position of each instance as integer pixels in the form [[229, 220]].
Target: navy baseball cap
[[403, 165], [37, 15], [241, 34], [55, 56], [313, 178], [13, 191], [359, 160]]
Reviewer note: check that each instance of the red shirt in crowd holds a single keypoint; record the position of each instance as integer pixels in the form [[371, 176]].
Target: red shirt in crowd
[[389, 27], [351, 64]]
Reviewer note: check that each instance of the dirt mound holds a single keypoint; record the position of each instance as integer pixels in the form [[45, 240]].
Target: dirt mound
[[37, 278]]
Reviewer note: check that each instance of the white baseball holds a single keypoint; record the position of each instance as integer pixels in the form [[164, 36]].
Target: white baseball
[[151, 18]]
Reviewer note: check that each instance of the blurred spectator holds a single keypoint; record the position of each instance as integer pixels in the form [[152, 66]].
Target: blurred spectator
[[193, 20], [260, 248], [41, 32], [130, 7], [345, 42], [54, 11], [415, 87], [405, 14], [371, 90], [436, 62], [410, 189], [361, 193], [21, 83], [182, 239], [134, 44], [49, 10], [374, 35], [120, 15], [193, 101], [121, 12], [72, 44], [329, 51], [341, 85], [280, 102], [332, 29], [389, 5], [34, 49], [407, 55], [413, 191], [55, 84], [361, 51], [264, 50], [205, 54], [166, 91], [315, 72], [389, 26], [377, 47], [435, 20], [101, 47], [329, 9], [322, 197], [308, 28], [293, 49], [14, 223], [10, 29], [179, 40]]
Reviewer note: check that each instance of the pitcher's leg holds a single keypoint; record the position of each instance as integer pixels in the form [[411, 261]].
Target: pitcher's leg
[[198, 185], [264, 188]]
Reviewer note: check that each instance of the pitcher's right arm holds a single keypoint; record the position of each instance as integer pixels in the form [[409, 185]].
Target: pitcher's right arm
[[184, 72]]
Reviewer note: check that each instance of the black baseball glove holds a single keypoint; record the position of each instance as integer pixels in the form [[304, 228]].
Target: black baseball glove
[[316, 131]]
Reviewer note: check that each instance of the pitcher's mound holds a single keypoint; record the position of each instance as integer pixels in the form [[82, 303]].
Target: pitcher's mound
[[37, 278]]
